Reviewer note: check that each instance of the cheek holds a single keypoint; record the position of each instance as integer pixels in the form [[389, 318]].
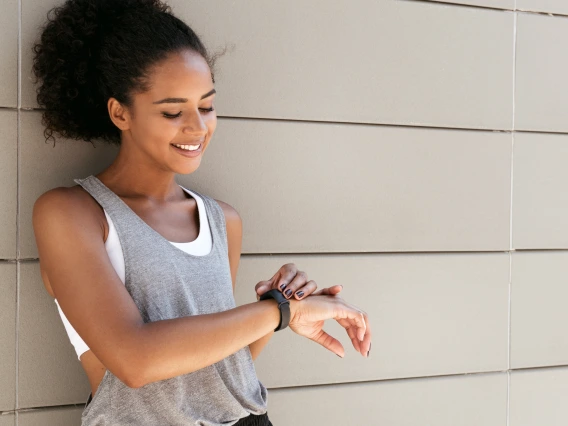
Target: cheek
[[155, 130], [211, 126]]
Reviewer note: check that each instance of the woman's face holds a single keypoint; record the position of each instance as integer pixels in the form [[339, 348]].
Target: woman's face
[[175, 115]]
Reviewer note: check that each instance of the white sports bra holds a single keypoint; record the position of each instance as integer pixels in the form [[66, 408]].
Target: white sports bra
[[201, 246]]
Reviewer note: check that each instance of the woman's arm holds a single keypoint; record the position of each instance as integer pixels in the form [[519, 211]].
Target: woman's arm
[[69, 234], [235, 240]]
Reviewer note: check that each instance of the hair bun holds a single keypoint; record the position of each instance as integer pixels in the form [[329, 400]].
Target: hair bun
[[90, 50]]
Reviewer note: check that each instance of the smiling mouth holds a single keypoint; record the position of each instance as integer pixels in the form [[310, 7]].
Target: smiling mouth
[[188, 147]]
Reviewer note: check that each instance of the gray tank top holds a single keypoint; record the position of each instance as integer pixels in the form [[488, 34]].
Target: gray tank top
[[166, 282]]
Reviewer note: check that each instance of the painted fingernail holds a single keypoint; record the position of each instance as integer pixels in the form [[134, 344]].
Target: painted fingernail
[[300, 293], [288, 292], [282, 286]]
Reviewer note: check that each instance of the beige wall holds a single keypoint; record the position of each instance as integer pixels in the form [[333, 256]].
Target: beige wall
[[413, 151]]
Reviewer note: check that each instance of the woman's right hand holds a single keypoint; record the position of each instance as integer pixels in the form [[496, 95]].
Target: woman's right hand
[[308, 316]]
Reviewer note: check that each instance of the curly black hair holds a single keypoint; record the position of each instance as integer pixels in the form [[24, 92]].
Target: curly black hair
[[91, 50]]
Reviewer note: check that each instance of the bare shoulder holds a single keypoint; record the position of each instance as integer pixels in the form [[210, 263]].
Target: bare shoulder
[[68, 204], [62, 196], [231, 214], [61, 215], [234, 225]]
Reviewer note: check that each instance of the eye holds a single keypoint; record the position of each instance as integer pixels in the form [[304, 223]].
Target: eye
[[165, 114]]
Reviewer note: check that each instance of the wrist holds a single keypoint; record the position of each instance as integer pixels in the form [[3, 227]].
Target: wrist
[[293, 308], [283, 306], [274, 312]]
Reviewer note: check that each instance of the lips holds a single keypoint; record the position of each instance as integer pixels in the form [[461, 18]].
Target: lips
[[188, 153], [185, 146]]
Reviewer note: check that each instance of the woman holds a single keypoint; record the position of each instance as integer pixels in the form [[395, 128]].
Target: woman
[[143, 270]]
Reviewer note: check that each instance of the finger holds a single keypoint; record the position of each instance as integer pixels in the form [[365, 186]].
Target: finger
[[356, 344], [306, 290], [299, 280], [366, 343], [262, 287], [287, 274], [283, 270], [351, 332], [356, 316], [336, 289], [362, 346], [362, 330], [331, 291], [329, 343]]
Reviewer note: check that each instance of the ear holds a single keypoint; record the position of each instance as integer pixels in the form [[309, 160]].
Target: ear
[[119, 115]]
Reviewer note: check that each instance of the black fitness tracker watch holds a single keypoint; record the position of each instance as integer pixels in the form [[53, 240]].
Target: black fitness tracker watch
[[283, 305]]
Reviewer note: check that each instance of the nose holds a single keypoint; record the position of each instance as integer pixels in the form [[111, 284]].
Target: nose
[[195, 124]]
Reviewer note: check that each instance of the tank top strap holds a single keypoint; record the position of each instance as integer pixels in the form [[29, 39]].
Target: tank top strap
[[109, 201], [217, 222]]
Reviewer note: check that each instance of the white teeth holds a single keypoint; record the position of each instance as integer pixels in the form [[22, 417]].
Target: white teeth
[[188, 147]]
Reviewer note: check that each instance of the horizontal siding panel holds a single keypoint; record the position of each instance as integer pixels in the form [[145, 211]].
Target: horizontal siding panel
[[7, 337], [541, 69], [49, 372], [496, 4], [33, 16], [7, 419], [538, 309], [547, 6], [430, 315], [44, 166], [393, 91], [449, 401], [540, 199], [9, 53], [9, 179], [316, 187], [437, 201], [538, 397], [64, 416], [370, 62]]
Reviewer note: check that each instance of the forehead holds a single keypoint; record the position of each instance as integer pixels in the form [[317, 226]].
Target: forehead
[[184, 73]]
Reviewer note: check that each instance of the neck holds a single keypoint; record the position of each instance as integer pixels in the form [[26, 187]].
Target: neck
[[129, 175]]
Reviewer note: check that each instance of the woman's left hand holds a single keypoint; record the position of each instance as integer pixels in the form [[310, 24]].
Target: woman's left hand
[[292, 282]]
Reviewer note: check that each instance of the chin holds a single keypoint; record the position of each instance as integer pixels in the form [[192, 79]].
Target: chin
[[187, 169]]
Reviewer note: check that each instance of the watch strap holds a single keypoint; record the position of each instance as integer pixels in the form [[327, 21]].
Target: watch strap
[[283, 306]]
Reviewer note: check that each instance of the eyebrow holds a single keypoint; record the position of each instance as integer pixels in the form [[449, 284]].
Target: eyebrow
[[182, 100]]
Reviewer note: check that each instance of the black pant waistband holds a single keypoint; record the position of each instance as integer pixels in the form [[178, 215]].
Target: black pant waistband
[[254, 420]]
